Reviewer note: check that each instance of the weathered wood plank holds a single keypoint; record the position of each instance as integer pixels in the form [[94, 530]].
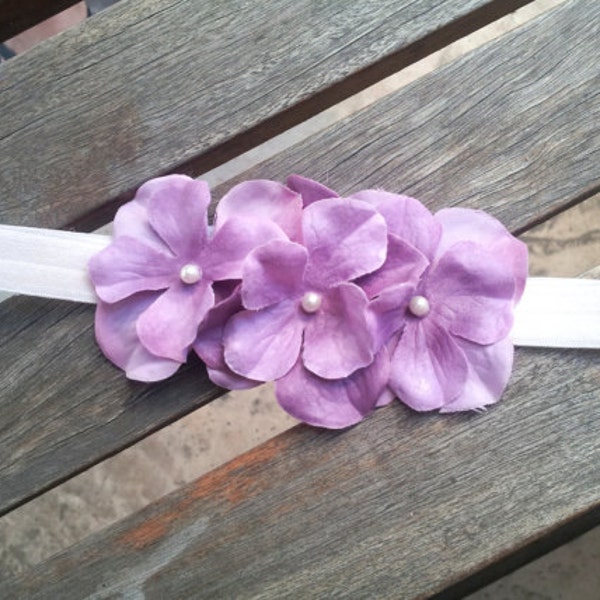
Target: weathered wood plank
[[78, 382], [92, 113], [18, 15], [55, 408], [401, 506], [513, 127], [60, 407]]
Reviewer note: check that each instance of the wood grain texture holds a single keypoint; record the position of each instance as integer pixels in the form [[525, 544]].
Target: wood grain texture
[[18, 15], [63, 406], [513, 127], [150, 86], [29, 434], [400, 506]]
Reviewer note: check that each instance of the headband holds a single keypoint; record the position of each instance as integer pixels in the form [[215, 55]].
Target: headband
[[344, 302]]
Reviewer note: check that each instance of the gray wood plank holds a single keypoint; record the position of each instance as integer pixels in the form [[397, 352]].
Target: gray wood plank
[[66, 404], [401, 506], [25, 457], [513, 127], [18, 15], [150, 86]]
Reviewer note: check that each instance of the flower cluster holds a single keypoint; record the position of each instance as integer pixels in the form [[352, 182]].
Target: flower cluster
[[345, 303]]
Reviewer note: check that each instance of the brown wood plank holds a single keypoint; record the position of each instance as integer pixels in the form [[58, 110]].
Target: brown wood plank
[[401, 506], [541, 95], [149, 86], [18, 15]]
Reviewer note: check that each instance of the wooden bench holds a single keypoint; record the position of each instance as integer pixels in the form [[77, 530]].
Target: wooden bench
[[402, 505]]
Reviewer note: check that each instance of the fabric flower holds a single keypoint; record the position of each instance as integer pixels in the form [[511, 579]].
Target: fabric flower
[[333, 403], [305, 324], [450, 349], [209, 342], [155, 280], [299, 297]]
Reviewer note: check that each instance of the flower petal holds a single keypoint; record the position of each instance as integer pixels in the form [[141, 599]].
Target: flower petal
[[332, 403], [310, 190], [386, 397], [128, 266], [489, 371], [345, 239], [177, 211], [387, 313], [428, 368], [132, 221], [406, 218], [337, 338], [264, 200], [404, 264], [224, 377], [208, 345], [264, 345], [463, 224], [470, 292], [272, 273], [117, 337], [225, 253], [170, 325]]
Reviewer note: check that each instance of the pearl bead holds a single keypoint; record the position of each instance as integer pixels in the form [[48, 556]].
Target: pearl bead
[[418, 306], [311, 302], [190, 273]]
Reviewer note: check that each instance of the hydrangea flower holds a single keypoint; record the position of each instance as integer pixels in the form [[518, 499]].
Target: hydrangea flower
[[332, 403], [209, 342], [299, 296], [448, 334], [155, 280], [304, 319]]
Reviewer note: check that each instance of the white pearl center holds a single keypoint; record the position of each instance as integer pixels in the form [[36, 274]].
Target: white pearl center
[[311, 302], [419, 306], [190, 273]]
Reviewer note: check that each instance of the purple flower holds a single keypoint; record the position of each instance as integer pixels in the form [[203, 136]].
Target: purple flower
[[448, 333], [300, 296], [209, 342], [341, 301], [155, 280], [332, 403], [305, 320]]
